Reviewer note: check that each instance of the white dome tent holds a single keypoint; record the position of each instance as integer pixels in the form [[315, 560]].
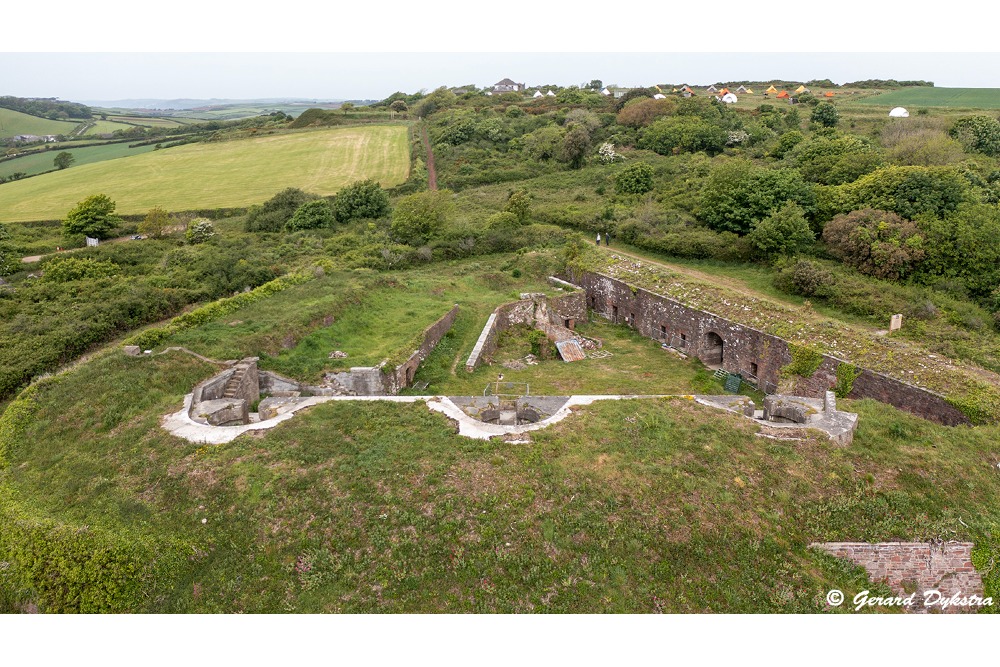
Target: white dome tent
[[659, 96], [729, 98], [899, 112]]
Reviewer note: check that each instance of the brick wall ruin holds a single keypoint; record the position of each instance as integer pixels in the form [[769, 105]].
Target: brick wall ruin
[[915, 567], [556, 316], [750, 352], [402, 375]]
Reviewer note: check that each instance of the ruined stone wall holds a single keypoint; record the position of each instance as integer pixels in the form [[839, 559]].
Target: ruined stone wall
[[745, 350], [503, 318], [402, 375], [915, 566]]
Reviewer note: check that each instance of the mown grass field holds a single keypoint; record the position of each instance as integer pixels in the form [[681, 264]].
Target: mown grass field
[[146, 121], [106, 127], [969, 98], [14, 122], [208, 175], [37, 163]]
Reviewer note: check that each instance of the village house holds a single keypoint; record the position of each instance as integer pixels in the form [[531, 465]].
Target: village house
[[508, 86]]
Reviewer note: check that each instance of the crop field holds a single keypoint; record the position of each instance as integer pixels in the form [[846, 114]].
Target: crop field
[[147, 121], [970, 98], [14, 122], [40, 162], [106, 127], [236, 173]]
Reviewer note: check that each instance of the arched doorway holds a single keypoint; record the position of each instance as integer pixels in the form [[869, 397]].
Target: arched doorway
[[714, 349]]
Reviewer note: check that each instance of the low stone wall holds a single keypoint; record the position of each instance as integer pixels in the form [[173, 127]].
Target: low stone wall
[[915, 567], [745, 350], [402, 375]]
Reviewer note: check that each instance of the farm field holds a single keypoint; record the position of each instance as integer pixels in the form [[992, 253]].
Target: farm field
[[147, 121], [970, 98], [106, 127], [41, 162], [13, 123], [236, 173]]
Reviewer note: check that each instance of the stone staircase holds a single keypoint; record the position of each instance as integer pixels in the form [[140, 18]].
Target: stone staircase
[[232, 388]]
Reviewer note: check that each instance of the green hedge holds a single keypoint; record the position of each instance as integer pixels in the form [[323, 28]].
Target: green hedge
[[151, 337], [14, 421]]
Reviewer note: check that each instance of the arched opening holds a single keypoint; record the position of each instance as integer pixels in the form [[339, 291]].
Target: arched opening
[[713, 353]]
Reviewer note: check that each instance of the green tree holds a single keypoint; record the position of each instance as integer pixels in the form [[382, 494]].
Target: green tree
[[155, 224], [272, 215], [908, 191], [94, 217], [738, 194], [398, 106], [786, 142], [199, 230], [346, 106], [876, 243], [361, 199], [63, 160], [519, 203], [783, 233], [962, 244], [635, 179], [420, 216], [825, 114], [311, 215], [836, 160], [543, 143], [575, 146]]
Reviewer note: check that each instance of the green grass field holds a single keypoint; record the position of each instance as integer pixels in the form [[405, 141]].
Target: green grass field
[[38, 163], [146, 121], [969, 98], [208, 175], [106, 127], [14, 122]]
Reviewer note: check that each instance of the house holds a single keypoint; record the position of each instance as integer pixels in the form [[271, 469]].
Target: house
[[507, 86], [26, 138], [771, 90]]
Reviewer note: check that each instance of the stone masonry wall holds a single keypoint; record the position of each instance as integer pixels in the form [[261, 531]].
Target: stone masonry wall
[[915, 566], [403, 374], [745, 350]]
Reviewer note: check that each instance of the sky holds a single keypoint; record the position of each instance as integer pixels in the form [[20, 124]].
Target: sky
[[328, 50], [83, 76]]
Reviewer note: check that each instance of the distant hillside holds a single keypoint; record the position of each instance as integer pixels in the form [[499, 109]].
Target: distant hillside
[[968, 98], [48, 107], [152, 104], [13, 123]]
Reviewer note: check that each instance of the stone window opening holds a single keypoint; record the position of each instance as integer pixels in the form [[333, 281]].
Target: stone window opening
[[713, 354], [663, 331], [753, 368]]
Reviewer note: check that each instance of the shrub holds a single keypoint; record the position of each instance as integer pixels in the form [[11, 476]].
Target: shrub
[[519, 203], [738, 194], [689, 134], [362, 199], [155, 224], [979, 134], [876, 243], [272, 215], [420, 216], [66, 269], [836, 160], [804, 277], [311, 215], [784, 232], [635, 179], [199, 230], [825, 114]]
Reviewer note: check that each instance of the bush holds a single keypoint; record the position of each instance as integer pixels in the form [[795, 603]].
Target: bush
[[689, 134], [876, 243], [804, 277], [272, 215], [420, 216], [199, 230], [825, 114], [738, 194], [362, 199], [784, 232], [979, 134], [66, 269], [635, 179], [314, 214], [519, 204]]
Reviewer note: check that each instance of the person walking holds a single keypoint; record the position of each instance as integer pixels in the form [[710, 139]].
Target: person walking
[[598, 238]]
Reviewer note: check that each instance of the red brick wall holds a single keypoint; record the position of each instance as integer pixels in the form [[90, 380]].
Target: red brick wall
[[914, 566]]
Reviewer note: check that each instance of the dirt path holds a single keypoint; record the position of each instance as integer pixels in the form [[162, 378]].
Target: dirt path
[[432, 180]]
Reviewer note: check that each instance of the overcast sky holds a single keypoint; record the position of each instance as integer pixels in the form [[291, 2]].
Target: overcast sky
[[323, 49]]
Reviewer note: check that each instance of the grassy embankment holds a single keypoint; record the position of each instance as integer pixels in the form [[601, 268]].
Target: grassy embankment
[[13, 123], [235, 173], [40, 162]]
